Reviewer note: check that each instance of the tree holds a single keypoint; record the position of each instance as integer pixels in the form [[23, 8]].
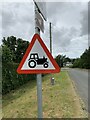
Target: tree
[[20, 49], [10, 42], [67, 59], [73, 60], [16, 46], [0, 54], [60, 60], [7, 55], [84, 60]]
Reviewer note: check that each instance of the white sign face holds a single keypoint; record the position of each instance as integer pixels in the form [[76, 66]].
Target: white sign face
[[37, 59], [41, 4]]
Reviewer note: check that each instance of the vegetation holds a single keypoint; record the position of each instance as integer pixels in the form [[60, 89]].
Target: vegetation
[[12, 53], [59, 100], [83, 61], [62, 60], [12, 80], [7, 55], [16, 48]]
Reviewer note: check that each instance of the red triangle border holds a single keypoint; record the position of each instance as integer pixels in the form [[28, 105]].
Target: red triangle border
[[57, 68]]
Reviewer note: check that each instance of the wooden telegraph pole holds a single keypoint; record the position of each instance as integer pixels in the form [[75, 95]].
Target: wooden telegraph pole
[[50, 38]]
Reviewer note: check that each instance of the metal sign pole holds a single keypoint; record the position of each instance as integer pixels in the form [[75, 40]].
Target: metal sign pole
[[39, 77]]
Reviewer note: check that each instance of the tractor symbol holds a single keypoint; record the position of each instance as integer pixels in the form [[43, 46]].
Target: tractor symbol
[[35, 60]]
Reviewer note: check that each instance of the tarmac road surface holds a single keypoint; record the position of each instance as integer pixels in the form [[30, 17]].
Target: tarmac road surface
[[80, 78]]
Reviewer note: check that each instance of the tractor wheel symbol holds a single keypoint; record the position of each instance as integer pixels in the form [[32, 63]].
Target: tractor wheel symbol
[[45, 65], [32, 64]]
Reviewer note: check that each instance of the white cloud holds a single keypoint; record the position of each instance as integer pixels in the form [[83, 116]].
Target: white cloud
[[84, 22], [18, 20], [66, 14], [45, 0], [0, 24], [77, 46]]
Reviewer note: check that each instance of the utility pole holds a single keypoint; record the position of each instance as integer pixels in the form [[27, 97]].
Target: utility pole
[[50, 38], [39, 77], [50, 28]]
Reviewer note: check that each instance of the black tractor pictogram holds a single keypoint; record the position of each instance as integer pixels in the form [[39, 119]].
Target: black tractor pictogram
[[35, 60]]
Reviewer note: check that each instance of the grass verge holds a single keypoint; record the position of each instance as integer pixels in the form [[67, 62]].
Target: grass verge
[[59, 100]]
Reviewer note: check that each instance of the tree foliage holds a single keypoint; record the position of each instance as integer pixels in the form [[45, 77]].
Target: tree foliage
[[84, 60], [7, 55], [11, 80], [0, 54], [62, 60], [12, 52], [17, 47], [21, 47]]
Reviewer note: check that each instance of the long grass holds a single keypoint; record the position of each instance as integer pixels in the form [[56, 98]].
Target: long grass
[[59, 100]]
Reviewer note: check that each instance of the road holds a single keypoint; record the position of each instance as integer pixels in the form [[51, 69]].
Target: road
[[80, 78]]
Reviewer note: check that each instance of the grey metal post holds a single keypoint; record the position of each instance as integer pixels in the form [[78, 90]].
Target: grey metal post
[[39, 79]]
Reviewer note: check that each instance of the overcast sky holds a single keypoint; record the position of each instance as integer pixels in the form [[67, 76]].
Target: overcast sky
[[69, 25]]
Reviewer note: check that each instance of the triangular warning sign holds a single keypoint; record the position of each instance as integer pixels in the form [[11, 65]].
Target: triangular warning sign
[[37, 59]]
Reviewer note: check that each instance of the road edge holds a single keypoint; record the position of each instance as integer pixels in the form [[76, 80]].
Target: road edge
[[83, 111]]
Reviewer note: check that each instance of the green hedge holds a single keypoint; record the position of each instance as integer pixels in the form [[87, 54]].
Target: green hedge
[[11, 79]]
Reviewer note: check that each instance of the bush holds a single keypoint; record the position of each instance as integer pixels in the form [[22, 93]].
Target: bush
[[11, 79]]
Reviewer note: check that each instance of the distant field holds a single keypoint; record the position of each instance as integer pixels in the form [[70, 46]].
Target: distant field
[[59, 100]]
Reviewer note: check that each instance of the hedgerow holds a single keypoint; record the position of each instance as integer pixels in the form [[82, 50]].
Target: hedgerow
[[11, 80]]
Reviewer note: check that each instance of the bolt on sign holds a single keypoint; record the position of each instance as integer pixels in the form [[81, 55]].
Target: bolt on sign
[[37, 59]]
